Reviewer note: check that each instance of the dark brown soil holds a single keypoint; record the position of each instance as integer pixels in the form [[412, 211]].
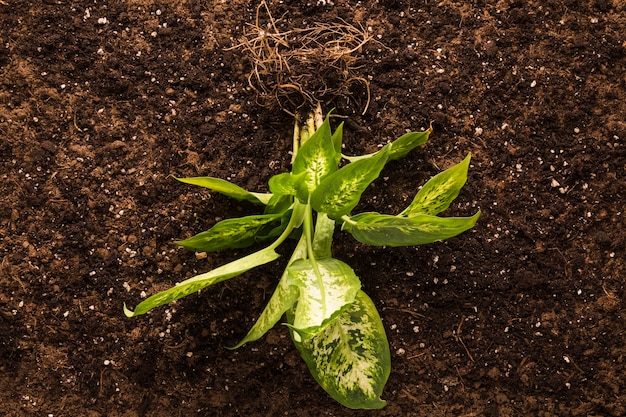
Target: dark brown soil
[[523, 316]]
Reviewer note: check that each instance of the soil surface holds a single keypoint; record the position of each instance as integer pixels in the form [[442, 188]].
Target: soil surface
[[102, 101]]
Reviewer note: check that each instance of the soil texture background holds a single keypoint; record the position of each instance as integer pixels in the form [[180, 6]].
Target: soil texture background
[[102, 101]]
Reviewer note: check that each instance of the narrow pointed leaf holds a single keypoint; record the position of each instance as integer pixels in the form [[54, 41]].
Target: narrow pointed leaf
[[399, 147], [283, 298], [350, 357], [316, 158], [324, 292], [337, 138], [198, 282], [386, 230], [407, 142], [227, 188], [439, 192], [230, 233], [341, 191]]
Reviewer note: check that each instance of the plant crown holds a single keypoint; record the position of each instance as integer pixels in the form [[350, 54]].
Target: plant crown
[[333, 323]]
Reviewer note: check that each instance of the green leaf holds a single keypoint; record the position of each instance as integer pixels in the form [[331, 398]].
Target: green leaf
[[399, 147], [271, 230], [406, 143], [316, 158], [341, 191], [287, 184], [278, 204], [386, 230], [439, 192], [350, 357], [326, 286], [338, 138], [198, 282], [227, 188], [283, 298], [230, 233]]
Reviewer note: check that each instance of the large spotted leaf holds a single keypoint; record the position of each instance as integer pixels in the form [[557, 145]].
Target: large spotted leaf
[[341, 191], [437, 194], [350, 357], [326, 287], [198, 282]]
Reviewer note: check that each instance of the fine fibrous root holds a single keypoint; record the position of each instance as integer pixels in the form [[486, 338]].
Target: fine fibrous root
[[297, 68]]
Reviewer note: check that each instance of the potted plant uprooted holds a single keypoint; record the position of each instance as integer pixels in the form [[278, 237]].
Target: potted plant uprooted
[[334, 325]]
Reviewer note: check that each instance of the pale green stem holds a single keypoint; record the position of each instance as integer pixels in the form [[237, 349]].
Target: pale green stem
[[348, 220], [296, 140], [296, 219], [317, 116], [308, 232]]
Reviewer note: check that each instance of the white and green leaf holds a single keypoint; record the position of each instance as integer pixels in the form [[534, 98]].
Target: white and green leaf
[[387, 230], [194, 284], [230, 233], [439, 192], [316, 158], [350, 357], [227, 188], [326, 287], [341, 191]]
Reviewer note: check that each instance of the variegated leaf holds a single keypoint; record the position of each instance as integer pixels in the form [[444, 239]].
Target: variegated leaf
[[439, 192], [350, 357], [198, 282], [326, 288], [316, 158], [386, 230], [230, 233], [341, 191]]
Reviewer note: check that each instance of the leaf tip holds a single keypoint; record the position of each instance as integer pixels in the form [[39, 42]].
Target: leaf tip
[[127, 312], [238, 345]]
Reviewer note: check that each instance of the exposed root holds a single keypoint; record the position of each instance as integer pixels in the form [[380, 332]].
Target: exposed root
[[296, 69]]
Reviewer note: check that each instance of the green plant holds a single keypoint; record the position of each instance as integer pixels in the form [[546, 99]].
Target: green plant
[[333, 323]]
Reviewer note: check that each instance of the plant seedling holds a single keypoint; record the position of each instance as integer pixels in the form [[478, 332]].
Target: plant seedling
[[333, 323]]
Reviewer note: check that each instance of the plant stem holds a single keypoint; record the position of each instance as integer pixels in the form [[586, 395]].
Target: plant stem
[[308, 232], [347, 219], [296, 219]]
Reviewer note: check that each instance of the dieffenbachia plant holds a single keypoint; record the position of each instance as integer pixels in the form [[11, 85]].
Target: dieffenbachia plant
[[333, 323]]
